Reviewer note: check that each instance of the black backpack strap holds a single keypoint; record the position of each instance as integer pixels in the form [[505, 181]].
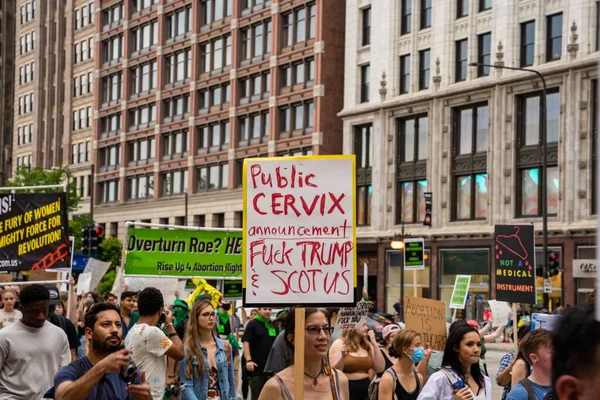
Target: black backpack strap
[[78, 365], [527, 385]]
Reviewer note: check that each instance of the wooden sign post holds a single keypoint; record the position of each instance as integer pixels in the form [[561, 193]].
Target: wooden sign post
[[515, 329], [299, 353]]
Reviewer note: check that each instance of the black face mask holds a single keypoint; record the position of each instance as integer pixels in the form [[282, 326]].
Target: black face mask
[[226, 307]]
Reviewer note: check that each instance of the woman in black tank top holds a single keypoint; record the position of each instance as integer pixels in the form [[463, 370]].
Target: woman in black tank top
[[402, 381]]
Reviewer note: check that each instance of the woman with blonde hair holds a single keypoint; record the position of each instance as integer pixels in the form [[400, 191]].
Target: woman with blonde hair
[[357, 354], [206, 371], [402, 381]]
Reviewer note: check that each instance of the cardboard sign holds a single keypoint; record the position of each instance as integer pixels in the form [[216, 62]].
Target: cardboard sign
[[500, 312], [97, 268], [83, 283], [352, 317], [544, 321], [183, 252], [299, 230], [34, 231], [514, 263], [460, 291], [428, 318], [414, 254], [167, 286], [232, 290]]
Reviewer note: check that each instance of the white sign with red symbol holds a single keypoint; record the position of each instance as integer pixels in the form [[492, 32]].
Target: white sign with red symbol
[[299, 230]]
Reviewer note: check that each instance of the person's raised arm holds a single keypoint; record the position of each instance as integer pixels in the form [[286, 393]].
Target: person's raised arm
[[378, 361], [495, 335], [176, 350], [422, 366], [519, 372], [337, 354]]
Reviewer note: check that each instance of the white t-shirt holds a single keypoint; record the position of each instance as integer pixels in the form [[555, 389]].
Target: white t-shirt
[[148, 345], [29, 359], [7, 318]]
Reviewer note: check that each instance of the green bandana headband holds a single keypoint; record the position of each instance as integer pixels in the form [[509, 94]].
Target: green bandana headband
[[267, 323]]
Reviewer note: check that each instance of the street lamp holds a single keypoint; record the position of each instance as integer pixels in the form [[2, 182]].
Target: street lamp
[[543, 175]]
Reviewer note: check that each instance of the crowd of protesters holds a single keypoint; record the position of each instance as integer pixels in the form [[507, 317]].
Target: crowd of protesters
[[134, 346]]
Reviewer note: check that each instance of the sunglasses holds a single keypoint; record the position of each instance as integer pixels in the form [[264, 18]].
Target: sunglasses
[[315, 330]]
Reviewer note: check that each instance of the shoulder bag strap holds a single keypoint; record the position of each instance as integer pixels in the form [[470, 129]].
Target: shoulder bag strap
[[394, 375], [527, 385]]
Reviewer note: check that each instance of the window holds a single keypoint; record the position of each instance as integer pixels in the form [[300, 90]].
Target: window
[[142, 116], [179, 23], [554, 37], [364, 83], [112, 49], [296, 117], [139, 5], [212, 177], [110, 157], [470, 162], [462, 8], [529, 158], [424, 69], [88, 150], [141, 151], [594, 118], [109, 191], [214, 137], [299, 25], [179, 66], [298, 73], [255, 87], [110, 125], [411, 168], [216, 54], [256, 40], [405, 74], [111, 88], [175, 145], [112, 15], [144, 77], [485, 5], [254, 128], [425, 14], [217, 95], [140, 187], [461, 60], [405, 25], [366, 26], [305, 151], [484, 51], [144, 36], [177, 107], [527, 43], [362, 149], [174, 182], [215, 10]]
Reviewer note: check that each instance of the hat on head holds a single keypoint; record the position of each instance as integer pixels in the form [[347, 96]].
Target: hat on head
[[54, 295], [388, 329]]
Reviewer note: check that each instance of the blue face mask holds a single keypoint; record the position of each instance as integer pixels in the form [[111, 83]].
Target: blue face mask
[[418, 354]]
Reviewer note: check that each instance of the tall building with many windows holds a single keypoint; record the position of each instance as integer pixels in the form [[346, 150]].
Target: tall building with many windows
[[53, 79], [7, 62], [471, 136], [186, 90]]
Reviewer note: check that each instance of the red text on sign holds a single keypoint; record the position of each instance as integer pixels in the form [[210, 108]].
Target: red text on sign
[[287, 204], [283, 178], [312, 280]]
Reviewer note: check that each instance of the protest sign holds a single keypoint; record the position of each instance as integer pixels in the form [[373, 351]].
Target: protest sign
[[352, 317], [183, 252], [97, 268], [83, 283], [544, 321], [167, 286], [414, 254], [514, 263], [459, 294], [118, 287], [232, 290], [34, 232], [500, 312], [299, 230], [428, 318]]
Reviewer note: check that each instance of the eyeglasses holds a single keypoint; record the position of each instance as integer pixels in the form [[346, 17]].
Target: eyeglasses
[[209, 314], [315, 330]]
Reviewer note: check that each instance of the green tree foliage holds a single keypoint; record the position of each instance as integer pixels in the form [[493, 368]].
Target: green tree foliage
[[75, 227], [39, 176], [111, 250]]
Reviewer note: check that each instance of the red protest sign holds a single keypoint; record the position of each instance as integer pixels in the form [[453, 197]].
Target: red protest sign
[[299, 230]]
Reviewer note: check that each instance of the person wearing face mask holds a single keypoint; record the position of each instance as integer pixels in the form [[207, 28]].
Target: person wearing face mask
[[402, 381]]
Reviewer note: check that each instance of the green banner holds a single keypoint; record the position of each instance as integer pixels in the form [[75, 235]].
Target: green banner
[[459, 294], [232, 289], [181, 252]]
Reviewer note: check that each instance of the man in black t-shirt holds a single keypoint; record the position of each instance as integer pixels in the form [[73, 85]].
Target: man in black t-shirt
[[258, 339], [62, 322]]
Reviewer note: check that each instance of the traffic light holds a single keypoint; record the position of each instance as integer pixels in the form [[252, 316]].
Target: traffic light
[[85, 239], [553, 264], [97, 232]]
